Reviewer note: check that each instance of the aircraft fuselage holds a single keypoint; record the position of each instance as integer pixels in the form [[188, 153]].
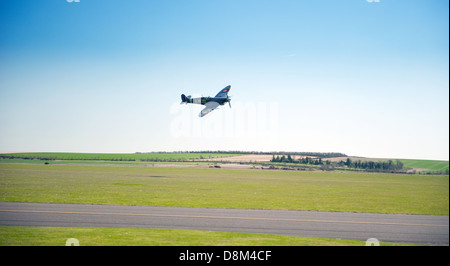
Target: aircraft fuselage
[[204, 100]]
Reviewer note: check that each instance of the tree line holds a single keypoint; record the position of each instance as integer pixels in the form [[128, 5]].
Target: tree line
[[375, 165], [379, 166], [310, 154], [304, 160]]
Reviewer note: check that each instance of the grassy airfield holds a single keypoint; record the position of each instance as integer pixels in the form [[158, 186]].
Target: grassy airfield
[[219, 188], [225, 188]]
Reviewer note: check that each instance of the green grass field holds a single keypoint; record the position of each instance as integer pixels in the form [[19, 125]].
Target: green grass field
[[117, 156], [423, 166], [192, 187], [431, 165], [221, 188], [57, 236]]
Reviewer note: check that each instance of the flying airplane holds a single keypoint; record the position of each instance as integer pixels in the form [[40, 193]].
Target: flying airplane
[[210, 103]]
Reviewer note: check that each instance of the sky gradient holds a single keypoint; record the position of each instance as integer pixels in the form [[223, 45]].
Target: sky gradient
[[363, 78]]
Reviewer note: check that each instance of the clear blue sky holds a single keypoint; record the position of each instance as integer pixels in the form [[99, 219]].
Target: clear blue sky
[[363, 78]]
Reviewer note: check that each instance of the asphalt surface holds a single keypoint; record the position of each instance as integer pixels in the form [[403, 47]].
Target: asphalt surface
[[420, 229]]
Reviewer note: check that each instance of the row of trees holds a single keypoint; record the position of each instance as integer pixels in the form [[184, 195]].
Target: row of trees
[[309, 154], [303, 160], [349, 163], [372, 165]]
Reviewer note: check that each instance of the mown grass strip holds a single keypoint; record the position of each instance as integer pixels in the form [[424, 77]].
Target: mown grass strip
[[88, 236]]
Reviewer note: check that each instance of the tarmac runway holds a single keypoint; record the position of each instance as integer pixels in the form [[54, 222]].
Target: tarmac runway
[[420, 229]]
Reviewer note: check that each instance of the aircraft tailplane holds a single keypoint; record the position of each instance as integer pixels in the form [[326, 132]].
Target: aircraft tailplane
[[184, 99]]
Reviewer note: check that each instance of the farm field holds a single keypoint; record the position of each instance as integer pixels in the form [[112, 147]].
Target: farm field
[[203, 160], [224, 188], [116, 156], [431, 165]]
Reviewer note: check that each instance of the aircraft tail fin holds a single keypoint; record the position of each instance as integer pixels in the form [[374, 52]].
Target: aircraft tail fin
[[185, 99]]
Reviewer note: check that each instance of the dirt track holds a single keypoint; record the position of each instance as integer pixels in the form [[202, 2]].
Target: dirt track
[[243, 158], [251, 157]]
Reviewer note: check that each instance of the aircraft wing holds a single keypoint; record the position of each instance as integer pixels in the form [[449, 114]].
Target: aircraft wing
[[224, 92], [209, 107]]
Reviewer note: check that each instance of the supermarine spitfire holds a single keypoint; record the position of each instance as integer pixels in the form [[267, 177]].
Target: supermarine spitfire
[[210, 103]]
